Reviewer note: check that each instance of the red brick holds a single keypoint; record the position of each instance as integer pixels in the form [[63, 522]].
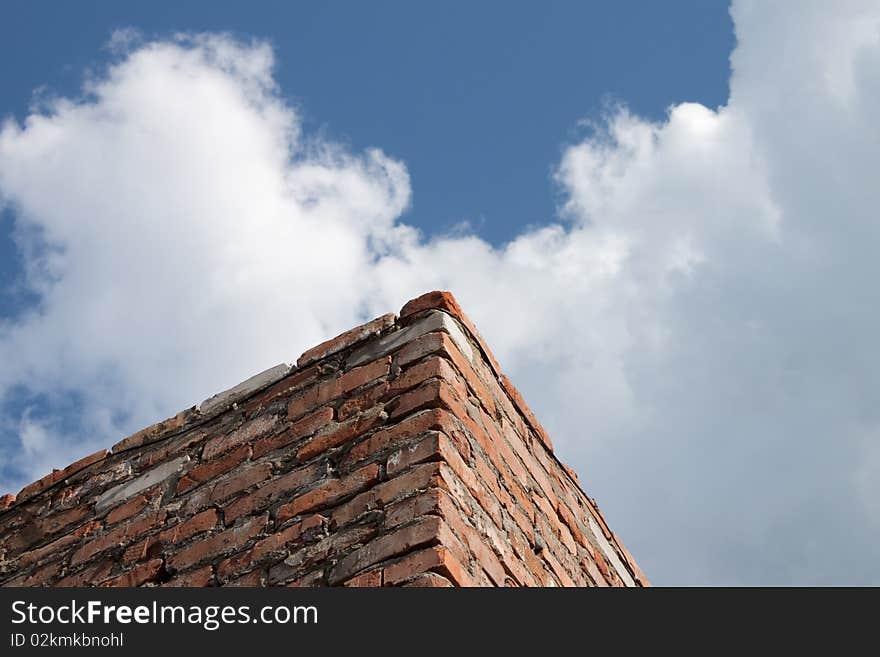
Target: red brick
[[418, 478], [512, 442], [246, 433], [58, 545], [347, 339], [369, 579], [593, 571], [199, 577], [134, 506], [260, 498], [275, 543], [249, 580], [429, 580], [437, 558], [325, 391], [434, 367], [163, 449], [300, 429], [412, 426], [426, 531], [318, 555], [154, 432], [201, 522], [239, 480], [120, 535], [39, 577], [424, 345], [523, 408], [38, 530], [440, 300], [284, 388], [329, 492], [217, 544], [483, 554], [88, 576], [339, 434], [308, 580], [412, 507], [430, 448], [561, 574], [436, 392], [369, 398], [137, 576], [436, 300], [471, 377], [212, 469], [57, 475]]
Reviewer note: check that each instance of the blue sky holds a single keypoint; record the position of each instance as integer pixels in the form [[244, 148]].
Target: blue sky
[[662, 217], [477, 98]]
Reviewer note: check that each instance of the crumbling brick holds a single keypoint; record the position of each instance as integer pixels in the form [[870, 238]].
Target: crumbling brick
[[396, 454]]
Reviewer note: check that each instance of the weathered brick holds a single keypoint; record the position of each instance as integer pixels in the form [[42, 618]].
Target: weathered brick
[[329, 492], [406, 429], [364, 401], [312, 556], [437, 558], [523, 408], [340, 433], [272, 490], [309, 580], [58, 475], [246, 433], [409, 508], [347, 339], [128, 509], [328, 390], [425, 464], [251, 579], [427, 530], [435, 392], [434, 367], [162, 450], [420, 477], [58, 545], [119, 535], [239, 480], [87, 576], [148, 547], [429, 580], [369, 579], [212, 469], [272, 544], [39, 577], [300, 429], [137, 576], [217, 544], [446, 302], [199, 577], [293, 382], [38, 530], [155, 432]]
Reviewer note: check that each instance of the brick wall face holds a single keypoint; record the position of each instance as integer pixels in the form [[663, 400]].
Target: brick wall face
[[396, 454]]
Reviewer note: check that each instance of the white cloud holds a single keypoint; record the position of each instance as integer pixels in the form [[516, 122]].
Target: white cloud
[[697, 331]]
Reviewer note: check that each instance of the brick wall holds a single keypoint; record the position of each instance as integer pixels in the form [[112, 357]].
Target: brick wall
[[396, 454]]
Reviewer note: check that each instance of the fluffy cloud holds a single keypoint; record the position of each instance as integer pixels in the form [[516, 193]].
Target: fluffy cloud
[[696, 329]]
